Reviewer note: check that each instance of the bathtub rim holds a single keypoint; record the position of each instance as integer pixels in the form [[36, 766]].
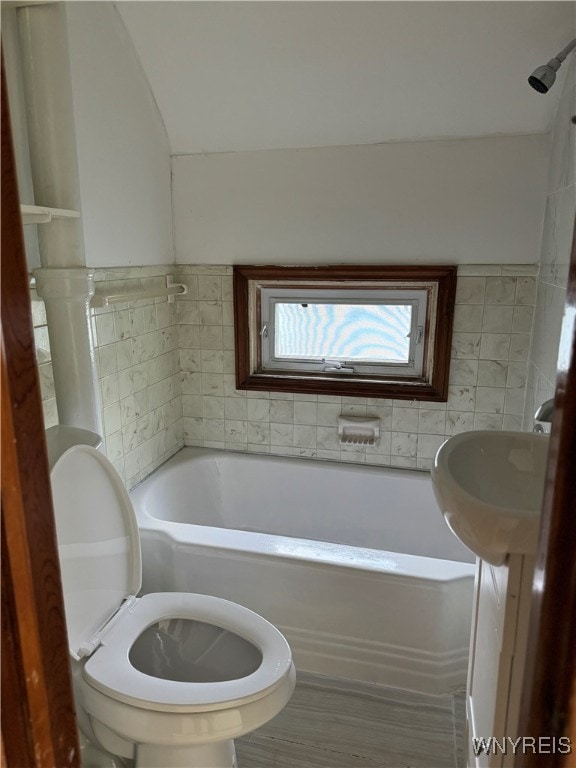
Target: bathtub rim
[[311, 551]]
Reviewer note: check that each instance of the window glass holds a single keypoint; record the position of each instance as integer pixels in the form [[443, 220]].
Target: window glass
[[376, 333]]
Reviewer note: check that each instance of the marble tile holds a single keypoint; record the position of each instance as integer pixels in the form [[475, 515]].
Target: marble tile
[[382, 413], [383, 445], [403, 461], [227, 289], [327, 439], [46, 380], [517, 374], [258, 433], [403, 444], [432, 422], [353, 409], [257, 409], [522, 319], [458, 421], [188, 336], [211, 337], [492, 373], [282, 411], [526, 290], [461, 398], [488, 420], [228, 338], [405, 419], [191, 382], [517, 270], [150, 352], [495, 346], [465, 346], [470, 290], [212, 384], [211, 312], [50, 412], [519, 346], [212, 360], [468, 317], [328, 413], [464, 372], [235, 408], [304, 436], [497, 319], [428, 446], [500, 290], [214, 429], [235, 431], [190, 359], [105, 332], [229, 385], [281, 434], [479, 269], [490, 399], [209, 287]]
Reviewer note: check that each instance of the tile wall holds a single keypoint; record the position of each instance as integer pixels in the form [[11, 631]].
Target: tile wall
[[491, 341], [167, 376], [44, 359], [139, 372], [556, 246]]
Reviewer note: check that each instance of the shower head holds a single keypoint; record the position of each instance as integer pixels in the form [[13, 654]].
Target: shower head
[[542, 79]]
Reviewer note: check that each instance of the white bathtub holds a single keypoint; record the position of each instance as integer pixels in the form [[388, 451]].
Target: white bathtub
[[353, 563]]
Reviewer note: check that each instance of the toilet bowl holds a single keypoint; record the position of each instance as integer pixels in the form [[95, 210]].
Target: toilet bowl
[[166, 679]]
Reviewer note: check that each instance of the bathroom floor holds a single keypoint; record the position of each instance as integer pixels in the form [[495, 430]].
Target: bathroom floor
[[331, 723]]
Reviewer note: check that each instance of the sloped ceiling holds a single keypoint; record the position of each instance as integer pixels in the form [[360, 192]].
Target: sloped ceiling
[[231, 76]]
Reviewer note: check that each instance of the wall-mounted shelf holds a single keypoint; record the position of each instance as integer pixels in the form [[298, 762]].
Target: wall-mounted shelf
[[40, 214], [171, 290]]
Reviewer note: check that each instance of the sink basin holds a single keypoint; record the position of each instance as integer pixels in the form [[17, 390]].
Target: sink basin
[[489, 486]]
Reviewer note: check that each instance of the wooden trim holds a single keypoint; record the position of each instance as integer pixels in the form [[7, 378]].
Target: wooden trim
[[368, 386], [549, 692], [38, 719]]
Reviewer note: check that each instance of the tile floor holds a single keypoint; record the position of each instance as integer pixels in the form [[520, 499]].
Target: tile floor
[[332, 723]]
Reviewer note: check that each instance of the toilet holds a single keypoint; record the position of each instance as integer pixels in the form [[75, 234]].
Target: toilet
[[168, 679]]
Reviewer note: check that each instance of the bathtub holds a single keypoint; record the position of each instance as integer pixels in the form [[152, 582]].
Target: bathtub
[[353, 563]]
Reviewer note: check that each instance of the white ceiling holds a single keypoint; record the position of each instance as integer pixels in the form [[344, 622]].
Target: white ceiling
[[230, 76]]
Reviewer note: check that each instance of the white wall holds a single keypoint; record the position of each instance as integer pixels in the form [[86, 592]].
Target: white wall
[[247, 76], [123, 152], [474, 201]]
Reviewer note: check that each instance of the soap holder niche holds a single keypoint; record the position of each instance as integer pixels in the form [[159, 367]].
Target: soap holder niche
[[358, 430]]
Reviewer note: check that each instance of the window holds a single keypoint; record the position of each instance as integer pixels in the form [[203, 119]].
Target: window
[[365, 331]]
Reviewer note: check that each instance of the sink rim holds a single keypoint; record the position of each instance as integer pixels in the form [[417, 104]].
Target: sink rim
[[441, 472]]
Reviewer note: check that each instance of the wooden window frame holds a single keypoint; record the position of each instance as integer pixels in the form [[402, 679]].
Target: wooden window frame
[[432, 386]]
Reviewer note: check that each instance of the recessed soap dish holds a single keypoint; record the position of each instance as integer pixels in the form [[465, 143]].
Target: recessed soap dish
[[358, 430]]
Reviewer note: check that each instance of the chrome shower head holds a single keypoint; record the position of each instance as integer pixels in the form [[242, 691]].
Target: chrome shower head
[[542, 79]]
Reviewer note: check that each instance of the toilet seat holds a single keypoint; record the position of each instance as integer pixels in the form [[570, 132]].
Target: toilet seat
[[99, 548], [109, 669]]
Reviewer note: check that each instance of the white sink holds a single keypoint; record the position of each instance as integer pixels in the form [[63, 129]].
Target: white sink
[[489, 486]]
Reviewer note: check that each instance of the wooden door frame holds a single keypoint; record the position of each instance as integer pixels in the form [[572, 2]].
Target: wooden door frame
[[549, 691], [38, 717]]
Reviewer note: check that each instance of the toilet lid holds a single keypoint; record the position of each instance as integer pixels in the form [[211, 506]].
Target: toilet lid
[[98, 542]]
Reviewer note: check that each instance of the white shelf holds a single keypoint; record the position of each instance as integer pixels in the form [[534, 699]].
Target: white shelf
[[40, 214]]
